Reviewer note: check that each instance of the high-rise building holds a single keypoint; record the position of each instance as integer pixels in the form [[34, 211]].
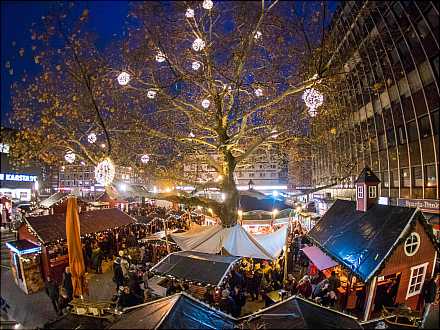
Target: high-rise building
[[389, 52]]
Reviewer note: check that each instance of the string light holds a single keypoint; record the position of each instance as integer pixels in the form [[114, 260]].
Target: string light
[[206, 103], [160, 57], [105, 172], [207, 4], [257, 35], [198, 45], [145, 159], [91, 138], [195, 65], [259, 92], [313, 100], [123, 78], [191, 134], [151, 94], [189, 13], [70, 157]]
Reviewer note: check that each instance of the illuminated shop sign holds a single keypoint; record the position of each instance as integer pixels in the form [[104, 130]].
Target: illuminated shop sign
[[18, 177]]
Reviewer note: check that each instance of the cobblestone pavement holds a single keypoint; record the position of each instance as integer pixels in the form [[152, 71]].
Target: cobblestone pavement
[[35, 310]]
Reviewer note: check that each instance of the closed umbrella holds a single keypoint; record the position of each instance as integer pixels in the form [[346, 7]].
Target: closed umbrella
[[76, 260]]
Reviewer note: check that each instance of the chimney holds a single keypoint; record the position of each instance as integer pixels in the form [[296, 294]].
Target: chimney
[[366, 190]]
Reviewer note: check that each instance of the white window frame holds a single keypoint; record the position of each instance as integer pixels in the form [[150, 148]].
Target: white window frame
[[372, 191], [360, 191], [425, 267], [411, 244]]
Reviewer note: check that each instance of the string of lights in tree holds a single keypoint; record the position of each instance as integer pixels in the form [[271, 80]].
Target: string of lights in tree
[[91, 138], [105, 172], [313, 100], [70, 157]]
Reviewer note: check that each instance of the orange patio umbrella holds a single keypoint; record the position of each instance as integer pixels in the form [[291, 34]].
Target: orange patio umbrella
[[76, 260]]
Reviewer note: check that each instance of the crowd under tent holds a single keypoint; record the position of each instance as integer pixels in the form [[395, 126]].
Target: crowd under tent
[[298, 313], [198, 269], [48, 233], [179, 311], [235, 241], [376, 246]]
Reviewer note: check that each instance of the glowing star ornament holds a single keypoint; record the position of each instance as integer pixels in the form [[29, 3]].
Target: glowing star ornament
[[257, 35], [198, 45], [206, 103], [207, 4], [70, 157], [91, 138], [160, 57], [105, 172], [195, 65], [123, 78], [151, 94], [259, 92], [145, 159], [313, 100], [189, 13]]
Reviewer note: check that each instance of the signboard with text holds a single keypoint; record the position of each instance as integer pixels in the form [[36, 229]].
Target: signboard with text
[[428, 205], [18, 177]]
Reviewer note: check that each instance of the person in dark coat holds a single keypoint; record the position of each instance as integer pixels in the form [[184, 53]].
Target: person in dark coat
[[118, 275], [52, 291], [227, 304], [67, 283], [239, 301], [429, 293], [334, 281]]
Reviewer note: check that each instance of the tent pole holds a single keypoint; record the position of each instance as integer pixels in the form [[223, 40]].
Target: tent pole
[[166, 236], [286, 252]]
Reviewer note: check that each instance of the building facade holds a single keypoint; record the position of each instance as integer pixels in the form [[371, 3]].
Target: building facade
[[389, 52]]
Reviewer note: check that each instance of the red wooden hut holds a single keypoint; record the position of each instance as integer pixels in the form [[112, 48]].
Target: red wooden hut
[[384, 253]]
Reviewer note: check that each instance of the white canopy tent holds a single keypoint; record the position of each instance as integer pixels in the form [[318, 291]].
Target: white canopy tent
[[235, 240]]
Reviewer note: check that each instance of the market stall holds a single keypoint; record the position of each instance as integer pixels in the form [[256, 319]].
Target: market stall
[[49, 232]]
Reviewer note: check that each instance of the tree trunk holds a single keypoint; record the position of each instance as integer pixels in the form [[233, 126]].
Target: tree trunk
[[229, 210]]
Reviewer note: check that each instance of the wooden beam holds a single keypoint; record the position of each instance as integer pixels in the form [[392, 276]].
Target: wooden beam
[[371, 289]]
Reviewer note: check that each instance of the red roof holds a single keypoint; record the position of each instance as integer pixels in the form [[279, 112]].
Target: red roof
[[49, 228], [319, 258]]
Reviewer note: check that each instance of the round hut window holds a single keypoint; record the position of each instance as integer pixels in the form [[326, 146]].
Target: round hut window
[[412, 244]]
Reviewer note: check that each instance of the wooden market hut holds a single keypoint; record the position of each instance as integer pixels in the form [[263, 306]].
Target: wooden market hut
[[298, 313], [200, 270], [179, 311], [48, 232], [105, 201], [57, 203], [376, 246]]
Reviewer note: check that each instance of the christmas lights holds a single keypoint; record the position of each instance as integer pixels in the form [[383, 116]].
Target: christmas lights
[[206, 103], [160, 57], [145, 159], [257, 35], [189, 13], [313, 100], [70, 157], [123, 78], [207, 4], [259, 92], [195, 65], [151, 94], [198, 45], [91, 138], [105, 172]]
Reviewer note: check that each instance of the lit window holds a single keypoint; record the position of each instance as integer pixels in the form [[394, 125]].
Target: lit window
[[416, 280], [360, 192], [412, 244], [372, 192]]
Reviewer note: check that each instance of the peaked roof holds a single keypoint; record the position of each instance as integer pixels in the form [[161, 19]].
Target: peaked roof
[[253, 200], [56, 198], [361, 240], [367, 175], [299, 313], [52, 227], [195, 266], [179, 311]]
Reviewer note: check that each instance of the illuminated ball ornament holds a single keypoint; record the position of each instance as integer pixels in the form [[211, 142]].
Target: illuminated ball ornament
[[191, 134], [259, 92], [257, 35], [70, 157], [207, 4], [313, 100], [145, 159], [206, 103], [195, 65], [91, 138], [189, 13], [105, 172], [160, 57], [151, 94], [123, 78], [198, 45]]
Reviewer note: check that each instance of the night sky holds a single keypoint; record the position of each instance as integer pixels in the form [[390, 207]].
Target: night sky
[[106, 17]]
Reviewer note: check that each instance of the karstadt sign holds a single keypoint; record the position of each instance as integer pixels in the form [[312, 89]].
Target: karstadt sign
[[18, 177]]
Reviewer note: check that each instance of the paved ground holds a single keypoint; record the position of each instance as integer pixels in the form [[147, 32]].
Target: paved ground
[[36, 309]]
